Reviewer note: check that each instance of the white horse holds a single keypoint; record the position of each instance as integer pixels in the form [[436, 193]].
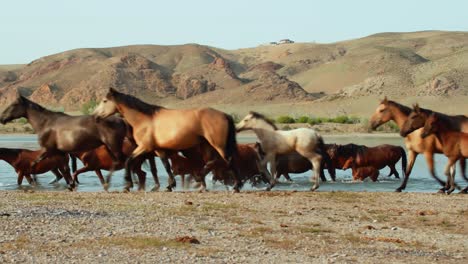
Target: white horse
[[305, 141]]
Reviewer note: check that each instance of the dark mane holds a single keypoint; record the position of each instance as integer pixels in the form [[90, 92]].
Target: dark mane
[[135, 103], [351, 150], [260, 116], [35, 106], [406, 110]]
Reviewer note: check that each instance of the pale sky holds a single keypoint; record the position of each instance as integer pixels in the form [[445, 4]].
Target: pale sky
[[32, 29]]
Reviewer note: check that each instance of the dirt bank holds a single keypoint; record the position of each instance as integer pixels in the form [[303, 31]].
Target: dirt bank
[[252, 227]]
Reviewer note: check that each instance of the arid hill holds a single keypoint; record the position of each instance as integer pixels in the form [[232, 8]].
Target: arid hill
[[301, 77]]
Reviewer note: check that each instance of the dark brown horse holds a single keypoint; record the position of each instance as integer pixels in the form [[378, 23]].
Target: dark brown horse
[[247, 160], [356, 156], [99, 159], [454, 144], [21, 160], [191, 167], [390, 110], [296, 163], [166, 131], [59, 133]]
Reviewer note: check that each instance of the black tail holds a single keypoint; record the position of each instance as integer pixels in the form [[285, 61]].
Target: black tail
[[403, 161], [325, 160], [231, 141], [73, 160]]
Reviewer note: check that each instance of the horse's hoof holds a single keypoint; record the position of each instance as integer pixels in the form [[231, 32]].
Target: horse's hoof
[[315, 187], [126, 190], [398, 190], [168, 189], [441, 190], [235, 190], [106, 187], [155, 188]]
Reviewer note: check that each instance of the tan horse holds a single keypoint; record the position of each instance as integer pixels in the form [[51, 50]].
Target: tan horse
[[390, 110], [454, 144], [163, 130], [307, 142]]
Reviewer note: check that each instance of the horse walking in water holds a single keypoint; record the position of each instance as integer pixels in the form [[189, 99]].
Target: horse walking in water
[[21, 160], [307, 142], [99, 159], [60, 133], [417, 119], [166, 131], [390, 110], [454, 144], [296, 163]]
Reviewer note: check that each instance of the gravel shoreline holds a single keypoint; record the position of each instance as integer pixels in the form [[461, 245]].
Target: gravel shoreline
[[250, 227]]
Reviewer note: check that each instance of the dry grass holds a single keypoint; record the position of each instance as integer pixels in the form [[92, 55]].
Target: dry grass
[[141, 242]]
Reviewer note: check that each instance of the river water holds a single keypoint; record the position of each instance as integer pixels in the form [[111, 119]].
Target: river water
[[420, 180]]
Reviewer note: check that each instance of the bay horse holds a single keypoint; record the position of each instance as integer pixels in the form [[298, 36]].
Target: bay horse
[[164, 131], [358, 156], [59, 133], [21, 159], [307, 142], [183, 166], [100, 159], [390, 110], [454, 144], [296, 163]]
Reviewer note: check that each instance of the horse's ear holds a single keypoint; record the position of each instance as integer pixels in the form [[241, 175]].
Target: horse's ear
[[112, 90], [385, 100], [416, 108]]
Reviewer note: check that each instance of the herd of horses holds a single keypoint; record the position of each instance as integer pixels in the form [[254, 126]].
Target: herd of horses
[[198, 141]]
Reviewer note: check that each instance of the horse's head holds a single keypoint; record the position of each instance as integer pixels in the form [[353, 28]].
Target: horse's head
[[381, 115], [107, 106], [416, 120], [430, 126], [15, 110], [255, 120]]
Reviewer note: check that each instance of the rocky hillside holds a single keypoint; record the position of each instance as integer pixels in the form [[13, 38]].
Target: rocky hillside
[[399, 65]]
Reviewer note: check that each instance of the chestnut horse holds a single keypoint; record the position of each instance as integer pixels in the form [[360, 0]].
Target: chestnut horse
[[183, 166], [166, 131], [307, 142], [99, 159], [21, 160], [454, 144], [390, 110], [357, 156], [417, 119], [59, 133]]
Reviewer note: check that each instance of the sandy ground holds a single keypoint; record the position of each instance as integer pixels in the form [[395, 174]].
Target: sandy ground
[[250, 227]]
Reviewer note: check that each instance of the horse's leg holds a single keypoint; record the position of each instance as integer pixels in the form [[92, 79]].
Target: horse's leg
[[100, 176], [393, 171], [128, 167], [463, 173], [316, 160], [154, 172], [269, 158], [136, 168], [430, 163], [411, 158], [288, 178], [85, 168], [58, 176], [19, 181], [450, 173], [165, 161]]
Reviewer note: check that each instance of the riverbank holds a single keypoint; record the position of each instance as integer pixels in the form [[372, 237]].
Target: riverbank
[[251, 227]]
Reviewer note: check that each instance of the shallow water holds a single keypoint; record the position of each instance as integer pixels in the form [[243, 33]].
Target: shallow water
[[420, 180]]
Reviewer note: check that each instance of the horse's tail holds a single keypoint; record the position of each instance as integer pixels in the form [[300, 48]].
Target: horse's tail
[[403, 161], [73, 160], [231, 141], [325, 159]]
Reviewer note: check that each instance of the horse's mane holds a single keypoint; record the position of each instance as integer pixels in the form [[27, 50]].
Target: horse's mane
[[136, 103], [264, 118], [451, 121], [406, 110], [38, 107], [349, 150]]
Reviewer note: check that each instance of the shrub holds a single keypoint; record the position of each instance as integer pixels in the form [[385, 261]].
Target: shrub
[[285, 120], [303, 119], [314, 121]]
